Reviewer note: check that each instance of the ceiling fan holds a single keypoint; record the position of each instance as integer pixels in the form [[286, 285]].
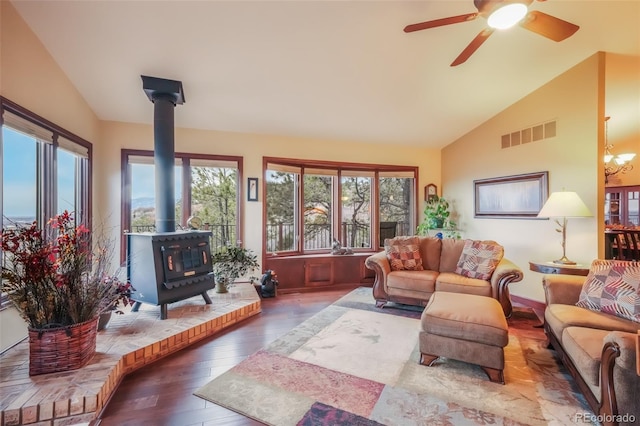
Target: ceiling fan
[[502, 14]]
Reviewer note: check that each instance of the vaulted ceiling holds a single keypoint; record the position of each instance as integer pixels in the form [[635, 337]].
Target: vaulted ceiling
[[341, 70]]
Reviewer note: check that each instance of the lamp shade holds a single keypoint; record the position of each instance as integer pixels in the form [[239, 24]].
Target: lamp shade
[[564, 204]]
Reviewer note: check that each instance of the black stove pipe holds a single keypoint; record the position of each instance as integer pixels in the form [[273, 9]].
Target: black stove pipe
[[165, 95]]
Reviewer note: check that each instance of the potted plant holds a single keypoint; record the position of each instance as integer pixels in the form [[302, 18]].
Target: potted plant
[[437, 216], [232, 262], [59, 280], [124, 289]]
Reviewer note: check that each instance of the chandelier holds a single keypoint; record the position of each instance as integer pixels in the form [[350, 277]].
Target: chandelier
[[614, 164]]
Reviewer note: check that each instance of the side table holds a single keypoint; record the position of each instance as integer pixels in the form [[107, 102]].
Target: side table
[[557, 268]]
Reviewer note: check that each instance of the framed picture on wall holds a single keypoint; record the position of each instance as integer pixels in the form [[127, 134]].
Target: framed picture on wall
[[518, 196], [252, 189]]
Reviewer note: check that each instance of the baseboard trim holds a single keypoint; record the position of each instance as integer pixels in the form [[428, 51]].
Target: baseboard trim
[[530, 303]]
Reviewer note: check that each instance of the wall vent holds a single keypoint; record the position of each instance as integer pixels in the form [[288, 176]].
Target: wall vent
[[530, 134]]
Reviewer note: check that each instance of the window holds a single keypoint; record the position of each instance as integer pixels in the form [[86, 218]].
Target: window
[[19, 186], [282, 200], [214, 198], [206, 186], [45, 169], [356, 209], [318, 209], [397, 202], [311, 204]]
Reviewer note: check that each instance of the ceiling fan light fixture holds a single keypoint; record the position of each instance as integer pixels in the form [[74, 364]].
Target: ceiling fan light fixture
[[507, 16]]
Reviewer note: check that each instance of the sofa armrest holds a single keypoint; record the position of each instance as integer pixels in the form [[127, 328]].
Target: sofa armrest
[[619, 383], [626, 343], [562, 289], [505, 273], [380, 265]]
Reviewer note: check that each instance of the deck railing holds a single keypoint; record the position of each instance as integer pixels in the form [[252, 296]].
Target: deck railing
[[221, 235], [281, 236]]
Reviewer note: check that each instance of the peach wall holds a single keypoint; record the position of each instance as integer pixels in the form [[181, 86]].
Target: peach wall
[[573, 100], [622, 104], [252, 148], [31, 78]]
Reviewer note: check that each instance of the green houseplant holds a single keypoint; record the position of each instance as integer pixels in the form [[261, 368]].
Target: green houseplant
[[232, 262], [437, 216]]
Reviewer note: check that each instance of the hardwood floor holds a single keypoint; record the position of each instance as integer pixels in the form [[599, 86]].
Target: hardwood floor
[[162, 393]]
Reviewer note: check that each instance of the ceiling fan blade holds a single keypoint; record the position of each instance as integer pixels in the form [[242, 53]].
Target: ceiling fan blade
[[473, 46], [440, 22], [548, 26]]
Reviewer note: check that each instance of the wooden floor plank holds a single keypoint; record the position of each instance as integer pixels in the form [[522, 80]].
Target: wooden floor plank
[[162, 393]]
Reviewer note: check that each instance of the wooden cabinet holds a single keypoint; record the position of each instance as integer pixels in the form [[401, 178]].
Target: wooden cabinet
[[622, 205], [313, 272]]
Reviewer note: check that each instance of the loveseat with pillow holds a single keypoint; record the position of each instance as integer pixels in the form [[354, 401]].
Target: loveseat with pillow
[[412, 268], [593, 325]]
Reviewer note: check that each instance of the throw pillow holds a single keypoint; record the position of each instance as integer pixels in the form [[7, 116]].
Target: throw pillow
[[612, 287], [404, 253], [479, 259]]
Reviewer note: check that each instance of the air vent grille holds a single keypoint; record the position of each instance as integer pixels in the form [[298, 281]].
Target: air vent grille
[[530, 134]]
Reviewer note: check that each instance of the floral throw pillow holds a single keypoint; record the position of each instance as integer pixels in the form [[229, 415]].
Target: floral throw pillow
[[404, 253], [612, 287], [479, 259]]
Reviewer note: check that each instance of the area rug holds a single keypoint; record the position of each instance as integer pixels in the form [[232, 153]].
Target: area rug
[[355, 364]]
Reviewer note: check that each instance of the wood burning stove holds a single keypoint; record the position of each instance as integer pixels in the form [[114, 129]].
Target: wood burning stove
[[167, 267]]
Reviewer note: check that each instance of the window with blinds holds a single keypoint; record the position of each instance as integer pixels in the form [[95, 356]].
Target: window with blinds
[[45, 169]]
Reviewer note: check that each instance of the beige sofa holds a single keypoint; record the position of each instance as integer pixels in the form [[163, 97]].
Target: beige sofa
[[598, 349], [439, 260]]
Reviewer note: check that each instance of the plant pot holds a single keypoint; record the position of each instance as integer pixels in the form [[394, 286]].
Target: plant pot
[[103, 319], [221, 287], [436, 223], [61, 348]]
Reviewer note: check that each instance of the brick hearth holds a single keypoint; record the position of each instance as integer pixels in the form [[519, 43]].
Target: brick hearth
[[129, 342]]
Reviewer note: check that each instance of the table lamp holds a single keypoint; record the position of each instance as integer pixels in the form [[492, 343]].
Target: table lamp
[[562, 205]]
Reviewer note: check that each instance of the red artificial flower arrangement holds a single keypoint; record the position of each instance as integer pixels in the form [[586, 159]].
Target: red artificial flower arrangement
[[61, 275]]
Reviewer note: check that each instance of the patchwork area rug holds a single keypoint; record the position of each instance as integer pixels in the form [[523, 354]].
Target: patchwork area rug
[[355, 364]]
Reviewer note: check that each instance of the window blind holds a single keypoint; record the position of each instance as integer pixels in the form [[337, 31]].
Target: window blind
[[27, 127]]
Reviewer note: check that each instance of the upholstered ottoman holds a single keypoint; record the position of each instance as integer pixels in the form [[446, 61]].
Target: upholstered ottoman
[[465, 327]]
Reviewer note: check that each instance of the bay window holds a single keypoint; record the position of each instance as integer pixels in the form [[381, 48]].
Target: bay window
[[309, 205]]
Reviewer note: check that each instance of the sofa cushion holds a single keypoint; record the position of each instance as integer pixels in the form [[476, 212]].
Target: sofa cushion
[[450, 254], [456, 283], [422, 281], [404, 253], [559, 316], [584, 347], [612, 287], [430, 248], [479, 259]]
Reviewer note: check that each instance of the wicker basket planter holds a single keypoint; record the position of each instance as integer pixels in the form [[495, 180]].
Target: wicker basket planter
[[61, 348]]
